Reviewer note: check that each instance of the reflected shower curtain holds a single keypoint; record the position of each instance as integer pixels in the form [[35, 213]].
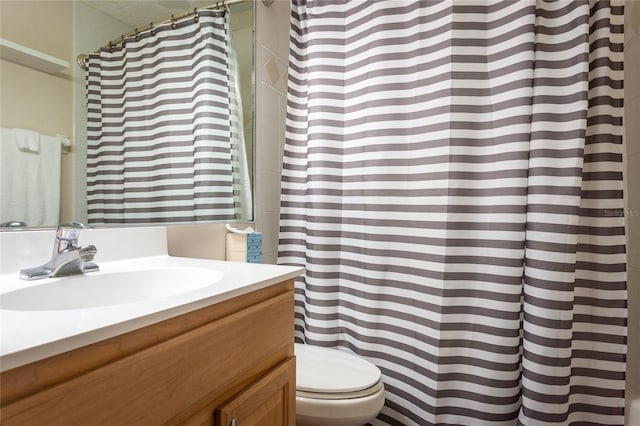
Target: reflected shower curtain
[[452, 183], [161, 126]]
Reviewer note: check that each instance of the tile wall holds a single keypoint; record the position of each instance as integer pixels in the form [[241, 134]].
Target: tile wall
[[272, 52]]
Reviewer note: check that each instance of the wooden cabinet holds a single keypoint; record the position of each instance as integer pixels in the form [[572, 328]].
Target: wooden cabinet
[[230, 360], [267, 402]]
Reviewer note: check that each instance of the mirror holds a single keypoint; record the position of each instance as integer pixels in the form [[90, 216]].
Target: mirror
[[55, 104]]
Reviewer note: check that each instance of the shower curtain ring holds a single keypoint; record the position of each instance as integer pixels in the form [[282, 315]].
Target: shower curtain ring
[[122, 40], [153, 30], [173, 23], [196, 18], [137, 34], [110, 47]]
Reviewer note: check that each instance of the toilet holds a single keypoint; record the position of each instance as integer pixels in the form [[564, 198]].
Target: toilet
[[335, 388]]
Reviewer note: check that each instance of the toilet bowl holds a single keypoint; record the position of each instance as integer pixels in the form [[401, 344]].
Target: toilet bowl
[[335, 388]]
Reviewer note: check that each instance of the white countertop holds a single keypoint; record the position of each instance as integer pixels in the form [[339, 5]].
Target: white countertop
[[28, 336]]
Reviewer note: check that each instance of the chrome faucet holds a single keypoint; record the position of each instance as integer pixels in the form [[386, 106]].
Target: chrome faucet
[[67, 257]]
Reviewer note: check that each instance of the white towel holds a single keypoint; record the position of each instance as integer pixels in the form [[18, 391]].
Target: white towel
[[29, 182], [27, 140]]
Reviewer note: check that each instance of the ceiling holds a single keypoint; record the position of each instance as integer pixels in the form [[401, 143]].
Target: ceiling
[[139, 13]]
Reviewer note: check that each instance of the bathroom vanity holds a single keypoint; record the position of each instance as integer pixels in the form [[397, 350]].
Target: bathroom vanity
[[221, 354]]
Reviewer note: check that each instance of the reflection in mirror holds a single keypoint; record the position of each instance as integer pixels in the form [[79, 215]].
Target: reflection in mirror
[[94, 24]]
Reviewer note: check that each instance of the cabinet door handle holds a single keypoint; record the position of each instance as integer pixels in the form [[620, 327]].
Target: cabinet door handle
[[234, 422]]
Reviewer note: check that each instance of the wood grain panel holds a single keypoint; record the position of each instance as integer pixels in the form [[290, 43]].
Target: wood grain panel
[[155, 384], [202, 411], [25, 380], [269, 401]]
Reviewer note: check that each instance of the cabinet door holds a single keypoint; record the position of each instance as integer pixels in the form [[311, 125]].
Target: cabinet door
[[270, 401]]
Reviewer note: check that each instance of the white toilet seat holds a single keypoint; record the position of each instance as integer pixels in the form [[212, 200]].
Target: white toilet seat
[[336, 388], [331, 371], [342, 395]]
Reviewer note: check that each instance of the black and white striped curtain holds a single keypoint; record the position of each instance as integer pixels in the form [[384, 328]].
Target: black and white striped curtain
[[452, 183], [162, 119]]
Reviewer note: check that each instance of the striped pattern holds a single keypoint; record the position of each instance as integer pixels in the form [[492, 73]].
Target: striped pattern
[[452, 183], [160, 145]]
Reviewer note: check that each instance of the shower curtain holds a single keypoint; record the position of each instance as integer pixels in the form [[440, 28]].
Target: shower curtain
[[452, 183], [163, 144]]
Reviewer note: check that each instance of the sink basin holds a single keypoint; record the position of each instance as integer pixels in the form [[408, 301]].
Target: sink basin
[[100, 289]]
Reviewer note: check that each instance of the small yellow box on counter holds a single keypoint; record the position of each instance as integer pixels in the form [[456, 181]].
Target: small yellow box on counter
[[244, 247]]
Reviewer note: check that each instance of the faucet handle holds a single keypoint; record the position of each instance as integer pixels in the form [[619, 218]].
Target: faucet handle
[[69, 230], [72, 225], [67, 236]]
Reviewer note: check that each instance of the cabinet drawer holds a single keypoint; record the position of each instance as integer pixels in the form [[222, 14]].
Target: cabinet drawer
[[270, 401], [152, 386]]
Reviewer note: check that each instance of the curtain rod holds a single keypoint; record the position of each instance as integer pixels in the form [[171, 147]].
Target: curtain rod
[[82, 59]]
